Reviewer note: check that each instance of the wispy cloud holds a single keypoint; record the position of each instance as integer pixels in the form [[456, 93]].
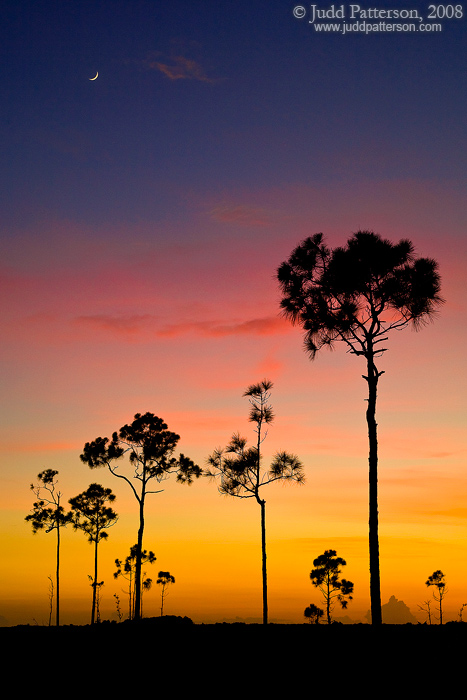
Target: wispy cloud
[[178, 67], [258, 326], [135, 326]]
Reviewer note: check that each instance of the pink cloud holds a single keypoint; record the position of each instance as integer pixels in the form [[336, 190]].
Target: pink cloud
[[258, 326], [179, 68], [269, 366]]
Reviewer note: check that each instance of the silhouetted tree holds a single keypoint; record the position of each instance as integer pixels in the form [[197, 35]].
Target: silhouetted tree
[[150, 446], [97, 586], [313, 614], [165, 579], [117, 603], [357, 294], [146, 585], [128, 569], [49, 515], [438, 581], [326, 577], [242, 475], [461, 611], [91, 514], [426, 608]]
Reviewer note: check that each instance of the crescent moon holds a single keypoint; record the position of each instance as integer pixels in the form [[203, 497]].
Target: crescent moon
[[95, 77]]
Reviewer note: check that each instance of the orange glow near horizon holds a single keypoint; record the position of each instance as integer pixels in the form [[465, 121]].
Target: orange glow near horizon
[[211, 543]]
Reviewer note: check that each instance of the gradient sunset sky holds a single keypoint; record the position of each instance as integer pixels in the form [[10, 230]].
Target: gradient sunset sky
[[143, 217]]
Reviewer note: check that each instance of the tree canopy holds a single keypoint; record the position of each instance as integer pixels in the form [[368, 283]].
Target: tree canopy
[[357, 293]]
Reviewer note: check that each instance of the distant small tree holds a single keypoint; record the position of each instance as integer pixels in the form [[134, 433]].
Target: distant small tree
[[326, 577], [461, 611], [438, 581], [146, 585], [127, 569], [242, 475], [48, 514], [426, 608], [91, 514], [117, 603], [150, 447], [313, 614], [96, 586], [165, 579]]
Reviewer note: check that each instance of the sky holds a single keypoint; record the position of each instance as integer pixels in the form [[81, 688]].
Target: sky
[[144, 215]]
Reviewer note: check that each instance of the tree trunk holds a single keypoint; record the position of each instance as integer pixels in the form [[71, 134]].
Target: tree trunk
[[375, 586], [94, 585], [139, 549], [264, 568], [328, 599], [131, 595], [57, 577]]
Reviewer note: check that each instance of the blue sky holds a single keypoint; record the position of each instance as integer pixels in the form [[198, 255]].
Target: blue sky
[[213, 97]]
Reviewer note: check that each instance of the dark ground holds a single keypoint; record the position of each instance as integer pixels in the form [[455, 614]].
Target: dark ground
[[406, 658]]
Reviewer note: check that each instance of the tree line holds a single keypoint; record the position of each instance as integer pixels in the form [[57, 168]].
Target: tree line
[[355, 294], [91, 513]]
